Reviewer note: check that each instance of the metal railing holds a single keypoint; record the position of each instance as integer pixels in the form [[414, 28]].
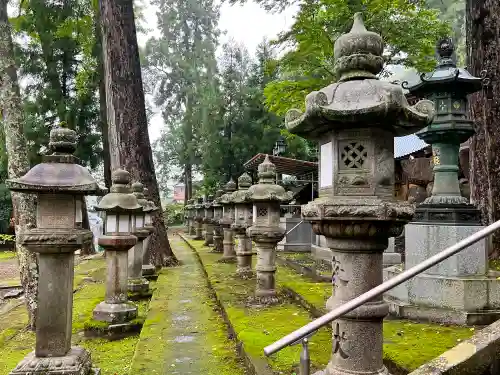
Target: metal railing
[[302, 334]]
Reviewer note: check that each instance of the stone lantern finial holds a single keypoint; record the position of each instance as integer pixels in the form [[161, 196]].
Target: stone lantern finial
[[358, 54], [445, 48], [267, 172], [230, 186], [62, 141], [244, 181]]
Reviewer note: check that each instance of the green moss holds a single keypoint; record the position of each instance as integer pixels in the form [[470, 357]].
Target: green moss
[[495, 264], [408, 344], [6, 255], [257, 328], [156, 353], [113, 357]]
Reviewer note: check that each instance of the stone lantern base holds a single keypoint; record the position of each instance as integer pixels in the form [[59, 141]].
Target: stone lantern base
[[138, 285], [76, 362], [115, 312], [148, 270], [459, 290]]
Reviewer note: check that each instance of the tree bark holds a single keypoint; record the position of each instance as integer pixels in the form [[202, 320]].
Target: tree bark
[[24, 206], [483, 36], [129, 143], [103, 122]]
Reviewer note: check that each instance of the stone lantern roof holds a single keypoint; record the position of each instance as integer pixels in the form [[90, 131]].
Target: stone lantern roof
[[267, 190], [151, 204], [242, 195], [218, 194], [359, 99], [446, 76], [138, 190], [120, 197], [59, 171]]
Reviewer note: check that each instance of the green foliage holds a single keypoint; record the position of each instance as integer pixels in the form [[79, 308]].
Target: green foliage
[[409, 29], [57, 56], [174, 214], [179, 69]]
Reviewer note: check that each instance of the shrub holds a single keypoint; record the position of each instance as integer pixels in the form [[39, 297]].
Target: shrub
[[174, 214]]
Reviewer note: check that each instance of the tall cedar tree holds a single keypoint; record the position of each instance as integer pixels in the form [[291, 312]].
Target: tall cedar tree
[[182, 71], [18, 164], [483, 46], [126, 112]]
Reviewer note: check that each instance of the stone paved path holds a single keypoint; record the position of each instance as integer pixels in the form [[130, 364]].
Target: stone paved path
[[198, 342]]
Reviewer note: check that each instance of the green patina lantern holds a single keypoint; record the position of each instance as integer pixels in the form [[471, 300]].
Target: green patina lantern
[[447, 86]]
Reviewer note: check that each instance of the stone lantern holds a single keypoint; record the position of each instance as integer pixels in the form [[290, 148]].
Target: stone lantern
[[218, 212], [198, 218], [229, 256], [459, 289], [60, 183], [120, 206], [148, 270], [355, 121], [187, 213], [137, 283], [266, 231], [243, 209], [447, 86], [208, 220]]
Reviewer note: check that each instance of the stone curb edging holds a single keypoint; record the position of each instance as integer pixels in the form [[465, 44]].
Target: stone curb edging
[[303, 270], [256, 366]]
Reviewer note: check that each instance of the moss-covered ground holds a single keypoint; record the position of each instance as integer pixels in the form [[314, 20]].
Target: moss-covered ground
[[184, 332], [113, 357], [5, 255], [407, 344]]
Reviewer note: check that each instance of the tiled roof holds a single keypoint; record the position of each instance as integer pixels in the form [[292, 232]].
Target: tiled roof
[[407, 145]]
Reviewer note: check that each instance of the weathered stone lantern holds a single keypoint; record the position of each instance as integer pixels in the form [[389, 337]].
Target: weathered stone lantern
[[355, 121], [137, 283], [229, 256], [266, 231], [148, 270], [208, 220], [218, 213], [243, 209], [188, 215], [120, 206], [198, 218], [447, 86], [60, 184]]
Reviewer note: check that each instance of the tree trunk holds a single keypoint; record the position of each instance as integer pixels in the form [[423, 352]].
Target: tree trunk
[[13, 119], [103, 122], [129, 143], [483, 36]]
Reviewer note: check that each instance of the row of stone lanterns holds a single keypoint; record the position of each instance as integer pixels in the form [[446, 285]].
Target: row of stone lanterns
[[60, 184], [251, 213]]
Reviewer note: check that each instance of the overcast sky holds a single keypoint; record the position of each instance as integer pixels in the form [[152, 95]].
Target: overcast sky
[[248, 24]]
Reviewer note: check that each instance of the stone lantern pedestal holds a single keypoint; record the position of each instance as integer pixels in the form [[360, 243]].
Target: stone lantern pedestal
[[242, 220], [209, 224], [120, 205], [218, 214], [458, 290], [136, 282], [199, 219], [266, 231], [148, 270], [60, 184], [355, 121], [229, 255]]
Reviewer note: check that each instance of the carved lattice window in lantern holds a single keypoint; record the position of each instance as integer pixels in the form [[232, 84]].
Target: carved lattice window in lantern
[[262, 212], [353, 155]]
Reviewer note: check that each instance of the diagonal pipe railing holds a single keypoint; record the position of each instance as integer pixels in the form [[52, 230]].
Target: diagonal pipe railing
[[312, 327]]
